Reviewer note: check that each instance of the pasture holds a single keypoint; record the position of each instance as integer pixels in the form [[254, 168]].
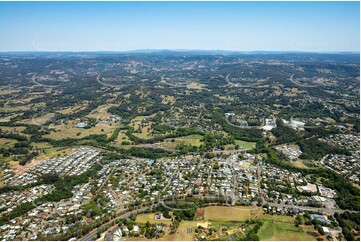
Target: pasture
[[68, 130], [100, 112]]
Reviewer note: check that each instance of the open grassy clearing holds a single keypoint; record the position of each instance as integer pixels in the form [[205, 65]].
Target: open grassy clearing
[[7, 118], [4, 91], [167, 99], [195, 85], [181, 233], [41, 145], [194, 140], [15, 108], [143, 218], [100, 112], [121, 137], [245, 144], [222, 213], [299, 164], [145, 130], [69, 131], [7, 143], [282, 231], [229, 147], [17, 129], [72, 109], [39, 120]]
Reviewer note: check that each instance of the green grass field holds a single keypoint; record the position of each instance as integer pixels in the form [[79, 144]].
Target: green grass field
[[277, 218], [245, 144], [281, 231], [194, 140]]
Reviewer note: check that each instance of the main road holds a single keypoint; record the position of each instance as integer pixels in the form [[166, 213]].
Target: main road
[[332, 211], [307, 208], [91, 234]]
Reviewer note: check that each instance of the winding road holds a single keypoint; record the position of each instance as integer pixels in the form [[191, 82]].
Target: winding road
[[240, 126], [105, 84], [38, 83], [301, 85]]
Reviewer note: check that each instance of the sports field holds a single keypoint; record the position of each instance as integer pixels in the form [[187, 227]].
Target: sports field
[[282, 231], [245, 144]]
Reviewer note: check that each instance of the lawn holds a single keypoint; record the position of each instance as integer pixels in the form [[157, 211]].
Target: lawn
[[272, 230], [245, 144], [143, 218], [222, 213]]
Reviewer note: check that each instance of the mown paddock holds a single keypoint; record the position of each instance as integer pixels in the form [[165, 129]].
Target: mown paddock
[[223, 213]]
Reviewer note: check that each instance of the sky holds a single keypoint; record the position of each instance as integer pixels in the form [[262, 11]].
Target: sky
[[122, 26]]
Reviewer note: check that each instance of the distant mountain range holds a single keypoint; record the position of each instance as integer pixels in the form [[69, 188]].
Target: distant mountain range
[[184, 52], [227, 52]]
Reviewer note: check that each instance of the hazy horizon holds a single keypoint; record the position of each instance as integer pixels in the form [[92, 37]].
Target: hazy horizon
[[130, 26], [181, 50]]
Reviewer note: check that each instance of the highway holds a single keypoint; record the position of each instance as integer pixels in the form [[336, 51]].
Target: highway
[[299, 84]]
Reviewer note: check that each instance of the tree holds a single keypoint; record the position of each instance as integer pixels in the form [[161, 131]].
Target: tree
[[210, 155]]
